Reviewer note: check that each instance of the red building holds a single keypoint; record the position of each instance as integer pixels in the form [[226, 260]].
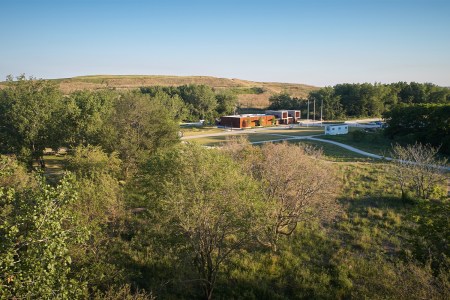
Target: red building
[[247, 120]]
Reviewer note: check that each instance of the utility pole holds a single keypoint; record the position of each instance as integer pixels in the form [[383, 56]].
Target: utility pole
[[321, 112], [308, 111], [314, 115]]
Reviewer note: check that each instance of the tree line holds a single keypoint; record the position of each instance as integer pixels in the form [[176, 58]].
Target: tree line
[[362, 99]]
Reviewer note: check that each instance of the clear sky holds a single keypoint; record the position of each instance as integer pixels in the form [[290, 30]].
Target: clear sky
[[316, 42]]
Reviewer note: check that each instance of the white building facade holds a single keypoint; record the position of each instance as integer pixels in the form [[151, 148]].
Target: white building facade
[[336, 129]]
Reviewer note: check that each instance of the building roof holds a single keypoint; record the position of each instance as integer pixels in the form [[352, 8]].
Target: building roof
[[247, 115], [333, 125]]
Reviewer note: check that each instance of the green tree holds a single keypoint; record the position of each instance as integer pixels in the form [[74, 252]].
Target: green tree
[[332, 107], [100, 208], [140, 125], [170, 98], [174, 104], [227, 103], [84, 117], [36, 231], [418, 170], [200, 100], [209, 204], [27, 109], [284, 101], [297, 186], [424, 123]]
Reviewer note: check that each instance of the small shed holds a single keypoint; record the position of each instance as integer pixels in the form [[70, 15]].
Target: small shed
[[334, 129]]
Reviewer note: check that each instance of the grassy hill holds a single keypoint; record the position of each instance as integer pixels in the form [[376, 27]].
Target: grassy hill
[[251, 93]]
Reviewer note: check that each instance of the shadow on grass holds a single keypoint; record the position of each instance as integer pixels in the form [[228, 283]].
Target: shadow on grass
[[373, 201]]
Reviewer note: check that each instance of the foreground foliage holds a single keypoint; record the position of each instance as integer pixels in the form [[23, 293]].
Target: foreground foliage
[[36, 230]]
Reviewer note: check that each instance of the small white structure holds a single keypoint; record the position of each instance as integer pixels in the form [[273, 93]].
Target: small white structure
[[334, 129]]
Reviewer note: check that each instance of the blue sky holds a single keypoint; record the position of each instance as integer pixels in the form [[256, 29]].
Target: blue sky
[[314, 42]]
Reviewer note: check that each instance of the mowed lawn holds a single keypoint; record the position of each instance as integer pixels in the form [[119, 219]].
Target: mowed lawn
[[335, 153], [372, 142], [219, 140], [193, 131], [296, 131]]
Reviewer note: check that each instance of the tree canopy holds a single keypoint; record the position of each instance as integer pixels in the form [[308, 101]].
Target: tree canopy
[[27, 116]]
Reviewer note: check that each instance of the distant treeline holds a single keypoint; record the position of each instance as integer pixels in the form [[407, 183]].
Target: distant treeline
[[362, 100]]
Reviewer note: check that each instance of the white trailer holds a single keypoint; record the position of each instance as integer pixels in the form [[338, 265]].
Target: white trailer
[[334, 129]]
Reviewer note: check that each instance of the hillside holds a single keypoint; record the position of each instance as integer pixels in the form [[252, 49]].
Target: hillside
[[248, 97]]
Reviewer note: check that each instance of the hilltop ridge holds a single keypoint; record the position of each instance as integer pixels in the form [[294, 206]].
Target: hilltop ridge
[[250, 93]]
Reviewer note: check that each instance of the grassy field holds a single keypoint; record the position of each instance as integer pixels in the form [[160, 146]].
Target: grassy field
[[373, 209], [335, 153], [219, 140], [296, 131], [372, 142], [193, 131]]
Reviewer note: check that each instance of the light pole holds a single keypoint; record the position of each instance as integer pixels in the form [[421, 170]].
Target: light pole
[[308, 112], [314, 115], [321, 112]]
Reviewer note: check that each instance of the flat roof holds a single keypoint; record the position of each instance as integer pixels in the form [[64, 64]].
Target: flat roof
[[247, 115]]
